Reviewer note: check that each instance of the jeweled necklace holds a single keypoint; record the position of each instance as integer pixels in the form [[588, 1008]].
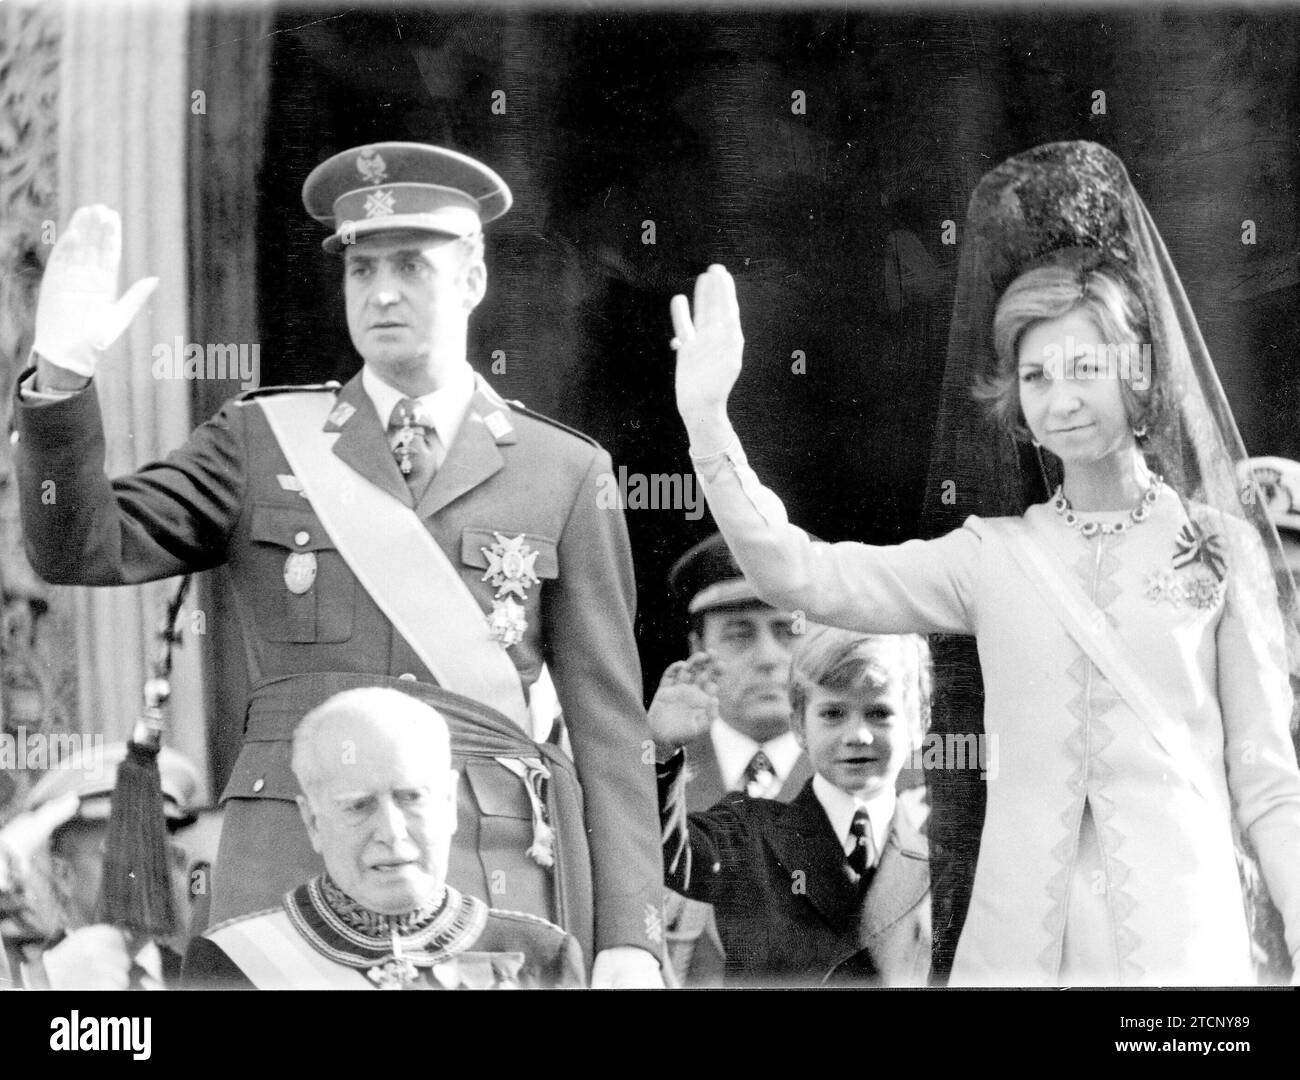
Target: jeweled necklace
[[1090, 529]]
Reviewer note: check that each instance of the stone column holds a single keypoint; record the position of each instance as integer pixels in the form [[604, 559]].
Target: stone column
[[124, 100]]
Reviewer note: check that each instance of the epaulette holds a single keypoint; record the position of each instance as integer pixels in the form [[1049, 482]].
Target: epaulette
[[266, 391], [521, 407]]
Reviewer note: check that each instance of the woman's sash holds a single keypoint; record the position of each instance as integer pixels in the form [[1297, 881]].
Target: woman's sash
[[1087, 625]]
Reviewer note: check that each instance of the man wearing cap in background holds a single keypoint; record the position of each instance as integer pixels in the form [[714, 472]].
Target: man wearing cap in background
[[65, 818], [1279, 483], [409, 529], [749, 746]]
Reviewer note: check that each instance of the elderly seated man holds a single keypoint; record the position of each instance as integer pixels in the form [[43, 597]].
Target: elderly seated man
[[379, 804]]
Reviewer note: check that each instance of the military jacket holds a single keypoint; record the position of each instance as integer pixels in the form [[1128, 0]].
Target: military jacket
[[227, 496]]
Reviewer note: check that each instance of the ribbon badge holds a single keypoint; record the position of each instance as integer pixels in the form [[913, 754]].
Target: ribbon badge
[[511, 572]]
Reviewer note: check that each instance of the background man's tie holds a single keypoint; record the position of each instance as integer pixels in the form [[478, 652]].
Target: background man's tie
[[759, 778], [415, 444]]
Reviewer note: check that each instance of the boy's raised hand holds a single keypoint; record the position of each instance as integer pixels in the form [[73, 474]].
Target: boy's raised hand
[[79, 313], [685, 704], [709, 347]]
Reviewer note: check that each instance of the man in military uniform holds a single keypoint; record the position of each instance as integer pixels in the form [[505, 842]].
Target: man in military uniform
[[379, 804], [749, 746], [67, 812], [1279, 485], [409, 529]]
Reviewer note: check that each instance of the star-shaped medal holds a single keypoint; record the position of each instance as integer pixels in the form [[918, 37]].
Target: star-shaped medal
[[510, 566]]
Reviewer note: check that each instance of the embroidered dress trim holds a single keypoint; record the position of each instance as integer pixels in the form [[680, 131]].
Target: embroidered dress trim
[[1094, 698], [340, 929]]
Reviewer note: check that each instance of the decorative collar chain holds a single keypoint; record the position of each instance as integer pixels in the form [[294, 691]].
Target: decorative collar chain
[[344, 931], [1090, 529]]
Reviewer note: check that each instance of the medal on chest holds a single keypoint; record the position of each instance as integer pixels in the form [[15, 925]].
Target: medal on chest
[[395, 973], [402, 445], [300, 572], [511, 572]]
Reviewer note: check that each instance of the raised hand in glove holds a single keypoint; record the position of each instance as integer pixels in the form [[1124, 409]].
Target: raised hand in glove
[[79, 313]]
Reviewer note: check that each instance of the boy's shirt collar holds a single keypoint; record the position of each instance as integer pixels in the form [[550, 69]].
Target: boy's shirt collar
[[840, 807], [734, 751]]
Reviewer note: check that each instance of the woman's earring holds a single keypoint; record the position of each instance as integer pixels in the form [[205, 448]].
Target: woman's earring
[[1042, 467], [1037, 444], [1140, 432]]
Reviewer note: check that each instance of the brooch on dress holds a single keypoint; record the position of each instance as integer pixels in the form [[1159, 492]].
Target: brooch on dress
[[1195, 548], [510, 571]]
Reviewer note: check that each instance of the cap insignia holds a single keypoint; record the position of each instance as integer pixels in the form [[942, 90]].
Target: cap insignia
[[379, 204], [371, 166]]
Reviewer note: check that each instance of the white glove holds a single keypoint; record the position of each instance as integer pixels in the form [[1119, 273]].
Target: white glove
[[77, 314], [92, 958], [28, 833], [626, 967]]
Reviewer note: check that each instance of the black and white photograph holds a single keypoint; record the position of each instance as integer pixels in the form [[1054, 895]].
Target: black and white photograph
[[666, 496]]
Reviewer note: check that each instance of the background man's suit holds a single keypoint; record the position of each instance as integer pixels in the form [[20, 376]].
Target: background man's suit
[[227, 497], [706, 786]]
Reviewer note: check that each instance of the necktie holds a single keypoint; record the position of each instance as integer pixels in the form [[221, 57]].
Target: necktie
[[759, 778], [862, 859], [415, 442]]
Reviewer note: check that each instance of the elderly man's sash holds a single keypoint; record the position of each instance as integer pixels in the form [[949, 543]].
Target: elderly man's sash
[[322, 939], [275, 956], [432, 608]]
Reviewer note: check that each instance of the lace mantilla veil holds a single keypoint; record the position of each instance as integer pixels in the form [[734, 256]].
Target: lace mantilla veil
[[1058, 196]]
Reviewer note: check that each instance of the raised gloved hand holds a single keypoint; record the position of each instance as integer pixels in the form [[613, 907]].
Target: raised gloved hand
[[709, 345], [79, 313], [27, 834]]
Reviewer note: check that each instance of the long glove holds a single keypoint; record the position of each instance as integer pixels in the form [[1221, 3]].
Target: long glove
[[77, 314]]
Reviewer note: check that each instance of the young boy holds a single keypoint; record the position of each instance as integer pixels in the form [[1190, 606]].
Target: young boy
[[834, 886]]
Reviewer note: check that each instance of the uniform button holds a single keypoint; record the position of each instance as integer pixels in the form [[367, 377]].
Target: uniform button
[[258, 784], [407, 676], [302, 537]]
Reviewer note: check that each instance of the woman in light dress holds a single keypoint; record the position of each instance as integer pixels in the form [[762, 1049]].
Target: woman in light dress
[[1130, 630]]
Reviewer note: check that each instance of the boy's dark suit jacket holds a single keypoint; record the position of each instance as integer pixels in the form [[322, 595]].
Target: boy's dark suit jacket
[[690, 931], [786, 909]]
